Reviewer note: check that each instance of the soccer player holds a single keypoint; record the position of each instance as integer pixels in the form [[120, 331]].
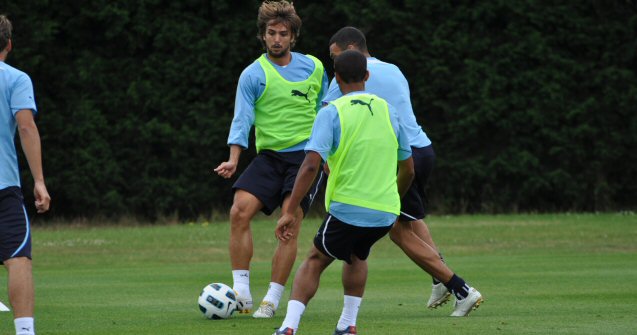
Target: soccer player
[[410, 233], [279, 94], [17, 108], [360, 137]]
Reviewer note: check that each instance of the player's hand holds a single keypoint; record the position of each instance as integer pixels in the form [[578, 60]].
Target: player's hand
[[286, 227], [226, 169], [42, 198]]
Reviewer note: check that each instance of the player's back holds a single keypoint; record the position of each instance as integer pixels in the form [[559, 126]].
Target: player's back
[[15, 93], [388, 82]]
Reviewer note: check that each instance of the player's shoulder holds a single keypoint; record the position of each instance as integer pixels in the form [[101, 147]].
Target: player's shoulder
[[12, 73], [327, 116], [254, 69], [375, 63], [306, 60]]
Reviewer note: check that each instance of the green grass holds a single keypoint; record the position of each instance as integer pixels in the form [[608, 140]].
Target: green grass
[[539, 274]]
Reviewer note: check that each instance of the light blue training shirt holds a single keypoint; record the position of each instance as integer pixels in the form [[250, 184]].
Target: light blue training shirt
[[250, 88], [388, 82], [325, 138], [16, 93]]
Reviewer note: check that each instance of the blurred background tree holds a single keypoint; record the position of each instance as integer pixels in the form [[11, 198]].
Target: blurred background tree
[[530, 104]]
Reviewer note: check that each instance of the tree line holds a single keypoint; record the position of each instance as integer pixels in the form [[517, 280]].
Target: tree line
[[530, 104]]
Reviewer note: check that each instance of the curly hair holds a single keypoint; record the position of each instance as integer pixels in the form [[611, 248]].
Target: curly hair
[[273, 12]]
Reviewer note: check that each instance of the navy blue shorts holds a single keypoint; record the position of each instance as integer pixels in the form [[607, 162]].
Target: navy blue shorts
[[340, 240], [15, 233], [413, 204], [270, 177]]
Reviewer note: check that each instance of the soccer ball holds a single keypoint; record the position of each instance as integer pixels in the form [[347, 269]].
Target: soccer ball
[[217, 301]]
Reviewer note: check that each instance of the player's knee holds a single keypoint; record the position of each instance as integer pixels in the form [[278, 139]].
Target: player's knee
[[290, 243], [23, 263], [396, 234], [239, 214]]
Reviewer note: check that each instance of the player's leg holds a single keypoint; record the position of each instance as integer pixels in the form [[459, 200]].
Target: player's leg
[[354, 279], [419, 252], [257, 189], [20, 286], [412, 226], [306, 282], [420, 228], [282, 263], [15, 252], [244, 207], [285, 254], [355, 275], [21, 294]]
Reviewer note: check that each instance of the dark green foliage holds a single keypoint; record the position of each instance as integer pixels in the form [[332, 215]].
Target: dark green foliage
[[530, 104]]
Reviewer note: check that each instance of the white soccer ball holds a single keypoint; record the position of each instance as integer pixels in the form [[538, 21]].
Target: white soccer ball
[[217, 301]]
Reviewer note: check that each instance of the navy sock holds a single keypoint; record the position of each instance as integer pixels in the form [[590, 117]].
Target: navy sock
[[458, 287]]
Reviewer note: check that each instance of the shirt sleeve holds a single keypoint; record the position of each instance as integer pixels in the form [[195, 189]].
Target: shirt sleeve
[[404, 149], [251, 86], [333, 92], [324, 89], [325, 132], [22, 95]]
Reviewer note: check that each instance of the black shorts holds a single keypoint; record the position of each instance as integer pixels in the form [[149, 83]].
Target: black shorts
[[340, 240], [15, 233], [413, 204], [270, 177]]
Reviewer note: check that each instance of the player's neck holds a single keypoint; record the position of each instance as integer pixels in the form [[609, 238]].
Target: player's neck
[[351, 87], [3, 56], [282, 60]]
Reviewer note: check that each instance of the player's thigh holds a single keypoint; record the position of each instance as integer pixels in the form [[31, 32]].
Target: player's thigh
[[366, 237], [413, 204], [15, 236], [333, 238], [263, 179], [245, 204]]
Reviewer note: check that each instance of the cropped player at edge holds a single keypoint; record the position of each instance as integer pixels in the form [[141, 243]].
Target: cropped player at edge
[[17, 110], [279, 94], [410, 232]]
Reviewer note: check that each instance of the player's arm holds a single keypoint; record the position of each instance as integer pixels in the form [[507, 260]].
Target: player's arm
[[333, 93], [287, 225], [405, 175], [320, 103], [228, 168], [246, 96], [318, 147], [406, 171], [30, 141]]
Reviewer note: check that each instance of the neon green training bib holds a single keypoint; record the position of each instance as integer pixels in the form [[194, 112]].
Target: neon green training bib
[[363, 168], [285, 112]]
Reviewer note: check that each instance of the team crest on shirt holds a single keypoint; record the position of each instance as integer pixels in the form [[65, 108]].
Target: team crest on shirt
[[297, 93], [363, 103]]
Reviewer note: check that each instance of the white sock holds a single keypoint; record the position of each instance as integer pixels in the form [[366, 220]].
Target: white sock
[[275, 291], [24, 326], [351, 304], [293, 315], [241, 282]]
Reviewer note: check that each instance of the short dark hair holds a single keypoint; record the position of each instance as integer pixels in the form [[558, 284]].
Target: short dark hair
[[351, 66], [349, 36], [5, 31]]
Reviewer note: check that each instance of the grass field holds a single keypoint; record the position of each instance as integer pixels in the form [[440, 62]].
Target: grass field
[[539, 274]]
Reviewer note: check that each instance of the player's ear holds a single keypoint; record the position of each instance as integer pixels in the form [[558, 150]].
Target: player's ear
[[366, 75], [9, 46], [338, 78]]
